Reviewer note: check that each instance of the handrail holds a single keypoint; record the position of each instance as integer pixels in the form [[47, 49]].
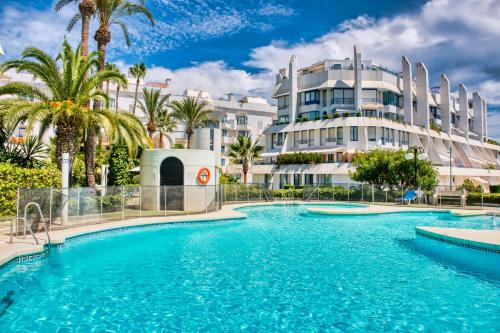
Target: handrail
[[41, 216], [312, 192], [264, 191]]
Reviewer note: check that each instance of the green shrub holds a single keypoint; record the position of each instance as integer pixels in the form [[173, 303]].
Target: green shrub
[[118, 166], [358, 114], [289, 187], [495, 188], [299, 158], [178, 146], [493, 198], [13, 177], [336, 115]]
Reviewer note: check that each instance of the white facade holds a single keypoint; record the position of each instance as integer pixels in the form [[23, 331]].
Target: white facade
[[338, 107]]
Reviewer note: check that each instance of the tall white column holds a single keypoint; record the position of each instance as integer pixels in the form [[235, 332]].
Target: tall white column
[[477, 110], [64, 188], [407, 91], [444, 92], [292, 74], [422, 95], [485, 119], [463, 113], [358, 85]]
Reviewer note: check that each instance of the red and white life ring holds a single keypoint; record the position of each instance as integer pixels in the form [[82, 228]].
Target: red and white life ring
[[203, 176]]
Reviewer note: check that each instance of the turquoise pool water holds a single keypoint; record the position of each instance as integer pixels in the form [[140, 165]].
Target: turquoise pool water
[[281, 269]]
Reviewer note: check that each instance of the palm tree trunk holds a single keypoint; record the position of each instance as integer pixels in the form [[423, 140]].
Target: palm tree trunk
[[107, 88], [117, 96], [87, 9], [189, 133], [136, 92], [90, 146], [161, 139], [245, 170], [66, 142]]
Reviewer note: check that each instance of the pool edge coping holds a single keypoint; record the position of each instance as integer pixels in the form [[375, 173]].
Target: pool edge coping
[[440, 234]]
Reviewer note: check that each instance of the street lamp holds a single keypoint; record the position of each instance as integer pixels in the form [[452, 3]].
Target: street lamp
[[414, 153]]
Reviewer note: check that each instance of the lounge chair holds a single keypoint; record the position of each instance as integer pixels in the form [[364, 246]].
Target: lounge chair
[[408, 197]]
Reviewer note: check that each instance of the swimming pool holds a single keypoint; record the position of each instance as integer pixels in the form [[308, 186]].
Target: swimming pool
[[281, 269]]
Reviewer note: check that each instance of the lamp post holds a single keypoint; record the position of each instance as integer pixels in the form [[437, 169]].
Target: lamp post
[[415, 153]]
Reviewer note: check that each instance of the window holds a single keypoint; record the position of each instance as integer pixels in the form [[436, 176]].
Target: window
[[436, 112], [323, 97], [280, 139], [354, 133], [372, 133], [311, 97], [322, 136], [283, 120], [369, 95], [241, 120], [339, 157], [224, 119], [309, 179], [223, 149], [340, 135], [311, 137], [343, 96], [282, 102], [212, 139], [331, 135], [390, 98], [223, 162], [337, 66], [112, 103], [242, 133], [224, 132], [277, 140]]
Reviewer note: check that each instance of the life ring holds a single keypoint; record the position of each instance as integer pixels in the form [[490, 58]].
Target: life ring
[[203, 176]]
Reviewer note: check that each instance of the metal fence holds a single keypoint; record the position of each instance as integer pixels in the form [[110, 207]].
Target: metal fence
[[63, 208], [356, 192]]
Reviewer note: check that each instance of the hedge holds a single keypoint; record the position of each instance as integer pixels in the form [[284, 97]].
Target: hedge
[[495, 188], [13, 177], [493, 198], [299, 158]]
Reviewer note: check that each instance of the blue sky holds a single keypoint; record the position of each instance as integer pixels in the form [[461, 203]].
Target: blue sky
[[237, 46]]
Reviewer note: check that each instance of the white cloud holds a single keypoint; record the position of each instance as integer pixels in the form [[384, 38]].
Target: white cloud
[[215, 77]]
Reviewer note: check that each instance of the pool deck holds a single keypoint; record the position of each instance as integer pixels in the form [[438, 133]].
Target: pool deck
[[25, 248], [379, 209]]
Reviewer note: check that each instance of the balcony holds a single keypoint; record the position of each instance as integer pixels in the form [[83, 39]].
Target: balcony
[[243, 127], [227, 125]]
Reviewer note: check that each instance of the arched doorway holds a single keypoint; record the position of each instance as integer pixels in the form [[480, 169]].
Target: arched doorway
[[172, 184]]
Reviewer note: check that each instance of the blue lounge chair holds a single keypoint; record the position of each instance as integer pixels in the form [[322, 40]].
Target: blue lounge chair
[[409, 196]]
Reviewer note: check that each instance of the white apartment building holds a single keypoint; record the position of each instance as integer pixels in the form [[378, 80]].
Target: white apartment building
[[339, 107], [233, 116]]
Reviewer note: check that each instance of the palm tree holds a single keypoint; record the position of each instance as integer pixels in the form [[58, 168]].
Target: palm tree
[[70, 86], [245, 151], [153, 106], [192, 113], [86, 9], [113, 12], [138, 71], [110, 67], [166, 124]]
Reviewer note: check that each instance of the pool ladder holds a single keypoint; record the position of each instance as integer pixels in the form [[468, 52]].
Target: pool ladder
[[28, 226]]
